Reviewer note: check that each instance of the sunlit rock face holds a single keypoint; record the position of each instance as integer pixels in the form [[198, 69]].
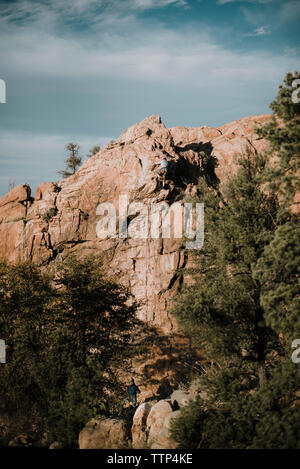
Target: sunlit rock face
[[63, 217]]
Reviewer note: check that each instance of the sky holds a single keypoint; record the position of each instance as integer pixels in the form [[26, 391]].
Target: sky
[[84, 70]]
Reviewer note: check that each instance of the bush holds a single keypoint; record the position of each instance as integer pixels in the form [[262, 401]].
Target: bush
[[49, 214]]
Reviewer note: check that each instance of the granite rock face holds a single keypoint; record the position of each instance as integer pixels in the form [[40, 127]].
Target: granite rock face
[[63, 217], [104, 434], [156, 418], [138, 429]]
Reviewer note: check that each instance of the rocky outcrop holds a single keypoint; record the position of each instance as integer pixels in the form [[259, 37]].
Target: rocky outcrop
[[222, 143], [150, 428], [138, 430], [62, 217], [152, 421], [163, 439], [155, 420], [104, 433]]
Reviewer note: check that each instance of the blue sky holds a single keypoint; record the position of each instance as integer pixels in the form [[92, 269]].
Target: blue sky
[[84, 70]]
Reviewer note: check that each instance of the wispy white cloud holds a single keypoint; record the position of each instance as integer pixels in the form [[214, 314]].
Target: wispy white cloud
[[291, 51], [278, 12], [184, 68], [223, 2], [148, 4], [261, 31], [124, 47], [29, 8]]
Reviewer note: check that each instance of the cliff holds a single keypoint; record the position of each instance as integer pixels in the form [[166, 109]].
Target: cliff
[[62, 217]]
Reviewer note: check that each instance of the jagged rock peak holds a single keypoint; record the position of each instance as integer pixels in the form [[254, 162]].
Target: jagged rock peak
[[151, 126]]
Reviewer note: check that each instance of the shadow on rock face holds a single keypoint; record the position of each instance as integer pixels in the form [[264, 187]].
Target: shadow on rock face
[[190, 170], [165, 389]]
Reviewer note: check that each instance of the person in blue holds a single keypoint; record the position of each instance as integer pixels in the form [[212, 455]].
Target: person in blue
[[132, 390]]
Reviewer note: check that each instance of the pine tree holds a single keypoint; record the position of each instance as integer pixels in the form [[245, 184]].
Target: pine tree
[[96, 309], [73, 161], [64, 343], [279, 267], [283, 135], [278, 270], [224, 304], [93, 151], [244, 306]]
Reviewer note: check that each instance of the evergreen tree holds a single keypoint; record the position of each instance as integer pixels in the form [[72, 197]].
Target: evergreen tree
[[73, 161], [224, 305], [278, 268], [283, 135], [25, 295], [64, 343], [244, 306], [93, 151], [95, 308]]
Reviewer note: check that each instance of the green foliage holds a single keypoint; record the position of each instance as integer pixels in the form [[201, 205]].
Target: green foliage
[[235, 235], [63, 343], [278, 270], [278, 267], [49, 214], [93, 151], [188, 426], [73, 161], [283, 135], [243, 307], [94, 308], [275, 409]]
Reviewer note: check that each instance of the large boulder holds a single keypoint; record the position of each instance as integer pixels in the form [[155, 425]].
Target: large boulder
[[155, 420], [14, 205], [151, 426], [13, 214], [163, 439], [104, 434], [19, 194], [138, 429]]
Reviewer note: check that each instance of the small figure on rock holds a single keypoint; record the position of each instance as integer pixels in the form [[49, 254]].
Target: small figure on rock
[[163, 169], [132, 391]]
